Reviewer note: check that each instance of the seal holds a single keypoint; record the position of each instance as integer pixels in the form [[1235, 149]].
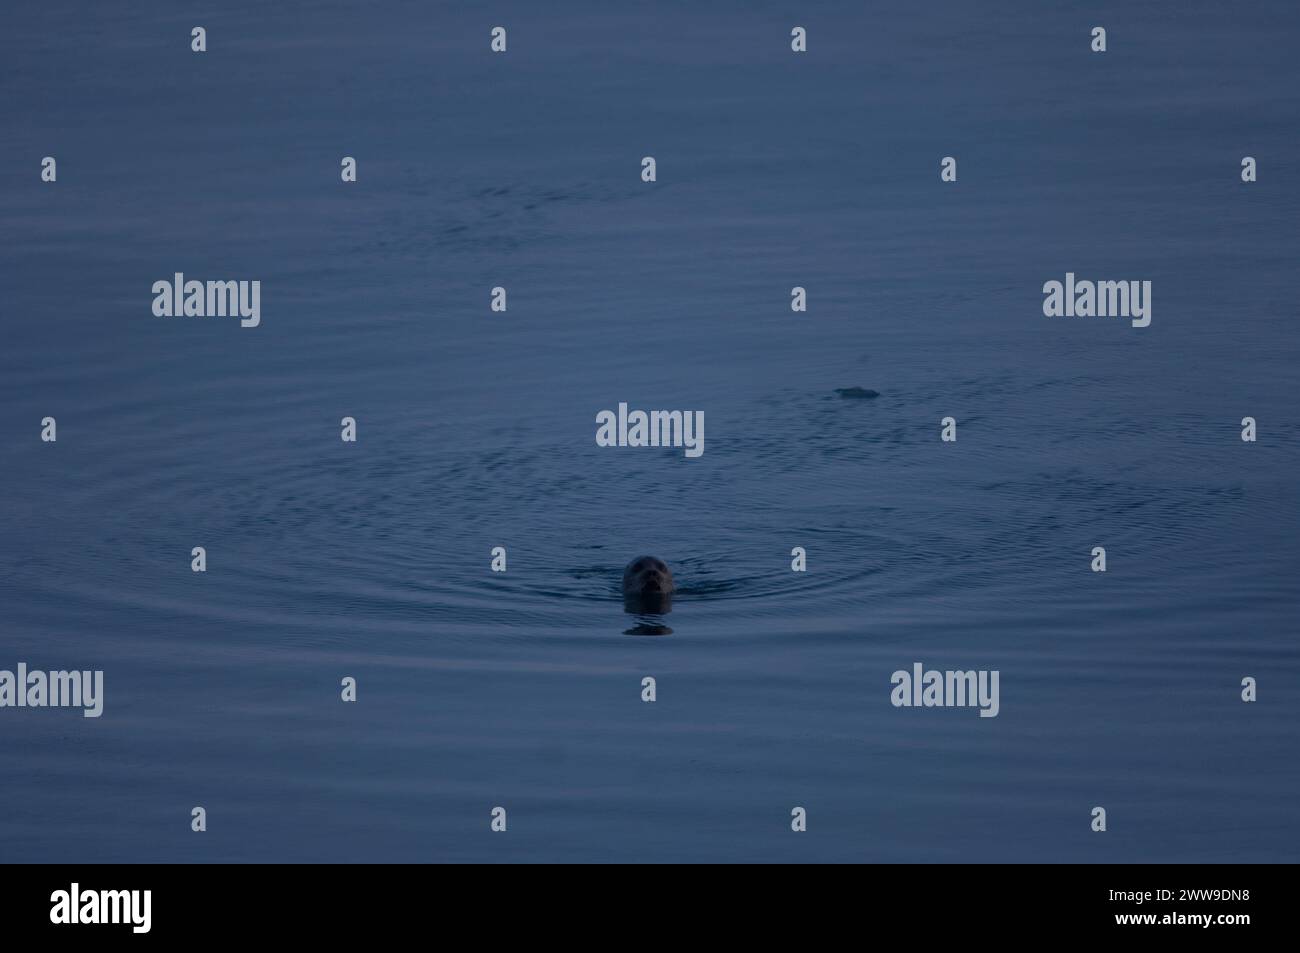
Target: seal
[[647, 585]]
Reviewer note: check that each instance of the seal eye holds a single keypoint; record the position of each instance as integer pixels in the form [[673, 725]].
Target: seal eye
[[640, 566]]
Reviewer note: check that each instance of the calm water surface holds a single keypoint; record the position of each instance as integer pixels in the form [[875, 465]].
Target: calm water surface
[[476, 430]]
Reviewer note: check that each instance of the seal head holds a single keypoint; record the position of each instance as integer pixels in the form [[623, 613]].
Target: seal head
[[647, 585]]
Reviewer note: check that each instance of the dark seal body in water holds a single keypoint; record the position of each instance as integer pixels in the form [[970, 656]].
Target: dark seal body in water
[[647, 585]]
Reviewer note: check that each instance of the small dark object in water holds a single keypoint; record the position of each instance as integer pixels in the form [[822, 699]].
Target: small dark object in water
[[856, 393], [647, 586]]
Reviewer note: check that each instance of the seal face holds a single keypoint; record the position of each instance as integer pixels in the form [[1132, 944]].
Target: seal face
[[647, 585], [647, 575]]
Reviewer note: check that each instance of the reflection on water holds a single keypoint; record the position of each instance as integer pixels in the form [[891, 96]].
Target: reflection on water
[[648, 625], [648, 603]]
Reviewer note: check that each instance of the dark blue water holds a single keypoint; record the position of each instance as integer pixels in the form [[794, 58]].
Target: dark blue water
[[476, 430]]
